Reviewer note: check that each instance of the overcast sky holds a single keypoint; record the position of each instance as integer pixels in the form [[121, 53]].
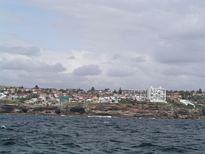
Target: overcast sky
[[130, 44]]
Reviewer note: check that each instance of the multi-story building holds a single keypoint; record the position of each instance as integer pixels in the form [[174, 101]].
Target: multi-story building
[[156, 94]]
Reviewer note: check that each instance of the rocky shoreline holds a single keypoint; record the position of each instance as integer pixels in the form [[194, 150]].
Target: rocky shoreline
[[141, 110]]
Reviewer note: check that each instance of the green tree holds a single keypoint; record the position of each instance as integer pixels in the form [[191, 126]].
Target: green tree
[[36, 87], [185, 94], [92, 89], [120, 91], [200, 91]]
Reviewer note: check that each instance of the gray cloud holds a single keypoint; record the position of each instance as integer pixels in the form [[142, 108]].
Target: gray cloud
[[119, 72], [30, 66], [175, 52], [139, 59], [20, 50], [71, 57], [116, 57], [176, 71], [87, 70], [183, 58]]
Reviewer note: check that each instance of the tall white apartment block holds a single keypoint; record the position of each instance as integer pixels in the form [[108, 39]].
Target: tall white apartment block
[[156, 94]]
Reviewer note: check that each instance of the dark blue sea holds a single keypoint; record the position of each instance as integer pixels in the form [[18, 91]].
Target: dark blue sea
[[35, 134]]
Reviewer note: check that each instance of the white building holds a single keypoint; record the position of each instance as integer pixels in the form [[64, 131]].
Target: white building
[[2, 95], [156, 94], [186, 102]]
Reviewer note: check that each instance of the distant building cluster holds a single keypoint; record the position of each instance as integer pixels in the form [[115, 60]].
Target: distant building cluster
[[49, 96]]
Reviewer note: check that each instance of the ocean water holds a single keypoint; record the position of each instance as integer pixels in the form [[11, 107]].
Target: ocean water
[[35, 134]]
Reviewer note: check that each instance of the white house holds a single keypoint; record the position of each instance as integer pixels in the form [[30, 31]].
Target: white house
[[156, 94]]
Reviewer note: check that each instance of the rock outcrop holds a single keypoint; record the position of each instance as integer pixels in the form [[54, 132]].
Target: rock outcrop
[[140, 109]]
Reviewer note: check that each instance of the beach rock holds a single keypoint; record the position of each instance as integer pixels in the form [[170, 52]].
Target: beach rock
[[57, 111], [77, 109], [7, 108]]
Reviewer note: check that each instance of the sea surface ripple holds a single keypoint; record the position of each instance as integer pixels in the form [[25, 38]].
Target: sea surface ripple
[[36, 134]]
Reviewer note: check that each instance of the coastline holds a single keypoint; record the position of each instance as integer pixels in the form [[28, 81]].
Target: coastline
[[147, 110]]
